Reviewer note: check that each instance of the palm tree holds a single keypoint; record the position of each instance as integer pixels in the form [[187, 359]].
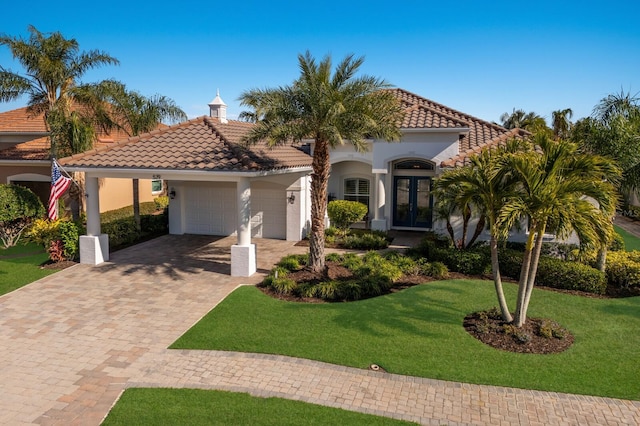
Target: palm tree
[[523, 120], [329, 108], [53, 66], [576, 192], [562, 123], [135, 114], [618, 104], [486, 184]]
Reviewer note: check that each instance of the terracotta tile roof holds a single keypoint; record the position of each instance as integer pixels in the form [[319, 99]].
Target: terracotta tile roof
[[481, 133], [21, 121], [199, 144], [37, 149]]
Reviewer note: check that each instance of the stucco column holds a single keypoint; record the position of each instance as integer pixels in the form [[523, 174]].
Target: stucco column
[[379, 223], [243, 254], [94, 247]]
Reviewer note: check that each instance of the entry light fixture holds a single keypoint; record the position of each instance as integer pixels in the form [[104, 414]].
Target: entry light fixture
[[172, 194], [291, 198]]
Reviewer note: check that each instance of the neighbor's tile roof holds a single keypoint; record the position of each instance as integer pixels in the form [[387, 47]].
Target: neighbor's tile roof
[[424, 113], [37, 149], [21, 121], [203, 143]]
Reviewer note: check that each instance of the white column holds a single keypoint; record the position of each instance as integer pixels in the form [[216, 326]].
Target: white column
[[379, 223], [243, 254], [296, 200], [94, 247]]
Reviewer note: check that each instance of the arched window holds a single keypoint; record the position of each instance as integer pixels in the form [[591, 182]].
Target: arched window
[[413, 165]]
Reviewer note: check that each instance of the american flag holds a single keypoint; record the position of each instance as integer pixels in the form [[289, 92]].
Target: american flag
[[59, 184]]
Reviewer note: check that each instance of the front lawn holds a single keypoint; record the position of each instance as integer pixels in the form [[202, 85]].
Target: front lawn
[[20, 265], [205, 407], [631, 242], [419, 332]]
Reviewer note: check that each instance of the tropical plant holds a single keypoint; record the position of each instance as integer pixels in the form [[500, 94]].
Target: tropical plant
[[20, 206], [133, 113], [53, 67], [344, 213], [561, 123], [486, 184], [328, 108], [520, 119], [557, 186]]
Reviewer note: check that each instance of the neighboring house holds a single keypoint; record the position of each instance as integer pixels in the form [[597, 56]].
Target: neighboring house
[[25, 160], [219, 187]]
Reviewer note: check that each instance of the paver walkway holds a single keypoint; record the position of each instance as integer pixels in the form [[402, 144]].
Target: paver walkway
[[71, 342]]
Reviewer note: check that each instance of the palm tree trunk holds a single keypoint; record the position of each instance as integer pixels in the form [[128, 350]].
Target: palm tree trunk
[[533, 269], [497, 280], [136, 202], [478, 230], [602, 259], [466, 216], [524, 279], [319, 183], [451, 232]]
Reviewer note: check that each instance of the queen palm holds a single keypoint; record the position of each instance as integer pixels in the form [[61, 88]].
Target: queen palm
[[53, 67], [561, 122], [557, 185], [328, 108], [134, 114]]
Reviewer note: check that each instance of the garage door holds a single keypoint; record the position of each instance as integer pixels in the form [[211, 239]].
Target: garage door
[[269, 213], [210, 210]]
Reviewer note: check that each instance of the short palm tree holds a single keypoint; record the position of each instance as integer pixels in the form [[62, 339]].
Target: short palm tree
[[485, 184], [576, 192], [561, 123], [328, 108], [53, 67]]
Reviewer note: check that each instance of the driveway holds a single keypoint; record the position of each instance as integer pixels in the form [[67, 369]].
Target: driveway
[[72, 342]]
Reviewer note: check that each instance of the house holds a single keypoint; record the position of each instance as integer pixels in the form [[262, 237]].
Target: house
[[25, 160], [219, 187]]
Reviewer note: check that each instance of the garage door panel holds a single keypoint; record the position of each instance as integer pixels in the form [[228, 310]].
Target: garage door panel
[[209, 212]]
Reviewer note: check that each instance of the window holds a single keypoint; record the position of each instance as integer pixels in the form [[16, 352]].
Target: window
[[357, 190], [156, 186], [413, 165]]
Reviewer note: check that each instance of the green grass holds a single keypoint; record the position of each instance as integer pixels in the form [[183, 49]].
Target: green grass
[[419, 332], [205, 407], [20, 265], [631, 242]]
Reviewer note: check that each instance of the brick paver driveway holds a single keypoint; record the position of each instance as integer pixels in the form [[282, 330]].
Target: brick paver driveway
[[71, 342]]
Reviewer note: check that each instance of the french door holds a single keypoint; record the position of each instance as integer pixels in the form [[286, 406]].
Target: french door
[[412, 201]]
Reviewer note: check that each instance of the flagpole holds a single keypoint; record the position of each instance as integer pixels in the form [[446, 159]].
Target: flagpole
[[69, 175]]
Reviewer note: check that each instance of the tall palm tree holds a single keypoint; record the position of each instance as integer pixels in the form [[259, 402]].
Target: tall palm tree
[[53, 67], [135, 114], [329, 108], [561, 123], [576, 192], [486, 184]]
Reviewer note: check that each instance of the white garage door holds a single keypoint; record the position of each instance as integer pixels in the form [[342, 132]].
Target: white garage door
[[268, 213], [212, 210]]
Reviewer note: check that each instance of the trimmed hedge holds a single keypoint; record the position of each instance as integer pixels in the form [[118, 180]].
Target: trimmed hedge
[[556, 273], [623, 269], [146, 208], [475, 261], [123, 232]]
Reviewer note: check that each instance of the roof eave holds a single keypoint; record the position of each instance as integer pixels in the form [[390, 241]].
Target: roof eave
[[435, 129]]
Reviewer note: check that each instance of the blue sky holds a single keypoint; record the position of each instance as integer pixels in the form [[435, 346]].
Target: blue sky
[[482, 58]]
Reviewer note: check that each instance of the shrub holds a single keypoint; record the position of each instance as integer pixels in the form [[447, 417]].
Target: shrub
[[58, 237], [343, 213], [293, 262], [623, 269], [161, 202], [470, 262], [437, 270], [365, 241], [123, 232], [19, 206], [146, 208], [284, 285]]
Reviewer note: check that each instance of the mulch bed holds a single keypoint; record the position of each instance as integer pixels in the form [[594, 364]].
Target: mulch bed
[[58, 265]]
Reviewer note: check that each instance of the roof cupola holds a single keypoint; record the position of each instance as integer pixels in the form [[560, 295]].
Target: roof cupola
[[218, 109]]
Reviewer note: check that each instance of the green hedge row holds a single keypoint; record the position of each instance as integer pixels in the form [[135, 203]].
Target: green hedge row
[[123, 232]]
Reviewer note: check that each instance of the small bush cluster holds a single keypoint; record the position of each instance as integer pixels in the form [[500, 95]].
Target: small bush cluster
[[623, 269], [60, 238], [161, 202], [357, 239], [19, 206], [343, 213], [551, 329], [373, 274]]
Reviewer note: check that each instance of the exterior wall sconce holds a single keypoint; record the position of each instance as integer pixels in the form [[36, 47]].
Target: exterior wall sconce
[[172, 194], [291, 198]]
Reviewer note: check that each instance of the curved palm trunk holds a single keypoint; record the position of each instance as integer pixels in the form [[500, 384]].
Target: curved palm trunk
[[319, 182], [451, 232], [478, 230], [466, 216], [524, 277], [497, 280], [531, 279]]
